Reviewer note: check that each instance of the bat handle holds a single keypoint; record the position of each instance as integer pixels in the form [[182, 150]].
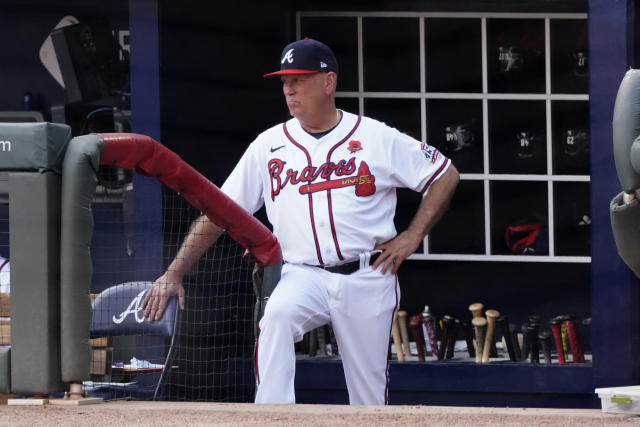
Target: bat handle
[[545, 343], [404, 333], [476, 309], [488, 339], [395, 333], [480, 327]]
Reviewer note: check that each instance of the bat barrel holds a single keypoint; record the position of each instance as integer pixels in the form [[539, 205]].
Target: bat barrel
[[503, 324], [415, 323], [452, 333], [556, 330], [545, 343], [574, 339], [468, 336]]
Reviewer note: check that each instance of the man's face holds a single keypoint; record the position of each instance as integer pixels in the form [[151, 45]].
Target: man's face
[[306, 93]]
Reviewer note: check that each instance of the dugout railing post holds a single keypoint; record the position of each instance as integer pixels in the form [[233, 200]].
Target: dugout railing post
[[32, 154]]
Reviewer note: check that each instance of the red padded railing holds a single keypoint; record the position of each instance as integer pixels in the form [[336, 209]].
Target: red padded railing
[[149, 157]]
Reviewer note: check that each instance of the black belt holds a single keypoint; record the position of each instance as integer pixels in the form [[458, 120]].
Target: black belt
[[348, 267]]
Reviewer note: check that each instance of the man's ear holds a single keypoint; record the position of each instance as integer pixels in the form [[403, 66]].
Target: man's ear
[[331, 82]]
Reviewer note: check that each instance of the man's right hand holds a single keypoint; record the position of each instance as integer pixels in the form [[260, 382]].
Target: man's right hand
[[165, 286]]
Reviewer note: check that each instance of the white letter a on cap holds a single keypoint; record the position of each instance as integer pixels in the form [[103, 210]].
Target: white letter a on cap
[[288, 57]]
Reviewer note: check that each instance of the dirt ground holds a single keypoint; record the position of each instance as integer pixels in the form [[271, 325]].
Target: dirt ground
[[247, 414]]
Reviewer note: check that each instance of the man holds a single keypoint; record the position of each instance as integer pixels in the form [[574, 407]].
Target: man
[[328, 180]]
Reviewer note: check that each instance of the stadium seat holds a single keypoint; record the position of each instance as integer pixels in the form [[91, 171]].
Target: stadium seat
[[117, 312]]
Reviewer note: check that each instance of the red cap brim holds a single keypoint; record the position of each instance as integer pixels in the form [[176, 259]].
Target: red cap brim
[[290, 71]]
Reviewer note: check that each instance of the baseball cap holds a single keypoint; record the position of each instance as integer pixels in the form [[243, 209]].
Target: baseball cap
[[307, 56]]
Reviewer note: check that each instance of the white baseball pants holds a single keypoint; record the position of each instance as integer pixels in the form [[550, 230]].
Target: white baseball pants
[[360, 308]]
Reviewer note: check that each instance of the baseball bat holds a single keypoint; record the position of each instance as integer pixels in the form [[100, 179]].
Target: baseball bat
[[476, 309], [503, 324], [415, 323], [335, 351], [395, 333], [492, 315], [322, 341], [446, 325], [313, 342], [545, 343], [556, 329], [404, 333], [480, 327], [525, 342], [468, 337], [565, 339], [532, 331], [574, 339], [429, 322], [515, 340], [534, 318], [454, 325]]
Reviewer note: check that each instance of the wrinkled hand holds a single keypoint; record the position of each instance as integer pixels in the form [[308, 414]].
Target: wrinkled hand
[[395, 251], [155, 302]]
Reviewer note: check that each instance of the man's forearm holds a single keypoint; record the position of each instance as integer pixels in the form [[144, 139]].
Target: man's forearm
[[201, 236], [434, 204]]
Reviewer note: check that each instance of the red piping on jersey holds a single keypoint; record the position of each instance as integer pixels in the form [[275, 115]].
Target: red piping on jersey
[[444, 164], [3, 264], [393, 318], [313, 225], [333, 227]]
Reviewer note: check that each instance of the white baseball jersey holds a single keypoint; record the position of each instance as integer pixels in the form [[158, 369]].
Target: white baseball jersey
[[330, 199]]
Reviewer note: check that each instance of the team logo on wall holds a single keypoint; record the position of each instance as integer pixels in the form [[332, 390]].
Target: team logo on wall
[[354, 146], [431, 153]]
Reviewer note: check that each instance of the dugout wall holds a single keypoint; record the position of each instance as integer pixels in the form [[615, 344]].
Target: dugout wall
[[321, 381], [186, 105]]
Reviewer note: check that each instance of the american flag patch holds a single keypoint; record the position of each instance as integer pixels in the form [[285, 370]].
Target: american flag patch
[[431, 153]]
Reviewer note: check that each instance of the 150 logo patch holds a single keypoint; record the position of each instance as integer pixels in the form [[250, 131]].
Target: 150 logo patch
[[431, 153]]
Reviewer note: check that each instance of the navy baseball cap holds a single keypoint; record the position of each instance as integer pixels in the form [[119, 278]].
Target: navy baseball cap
[[306, 56]]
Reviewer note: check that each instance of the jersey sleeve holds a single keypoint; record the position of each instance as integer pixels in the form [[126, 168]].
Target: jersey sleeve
[[244, 184], [415, 165]]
